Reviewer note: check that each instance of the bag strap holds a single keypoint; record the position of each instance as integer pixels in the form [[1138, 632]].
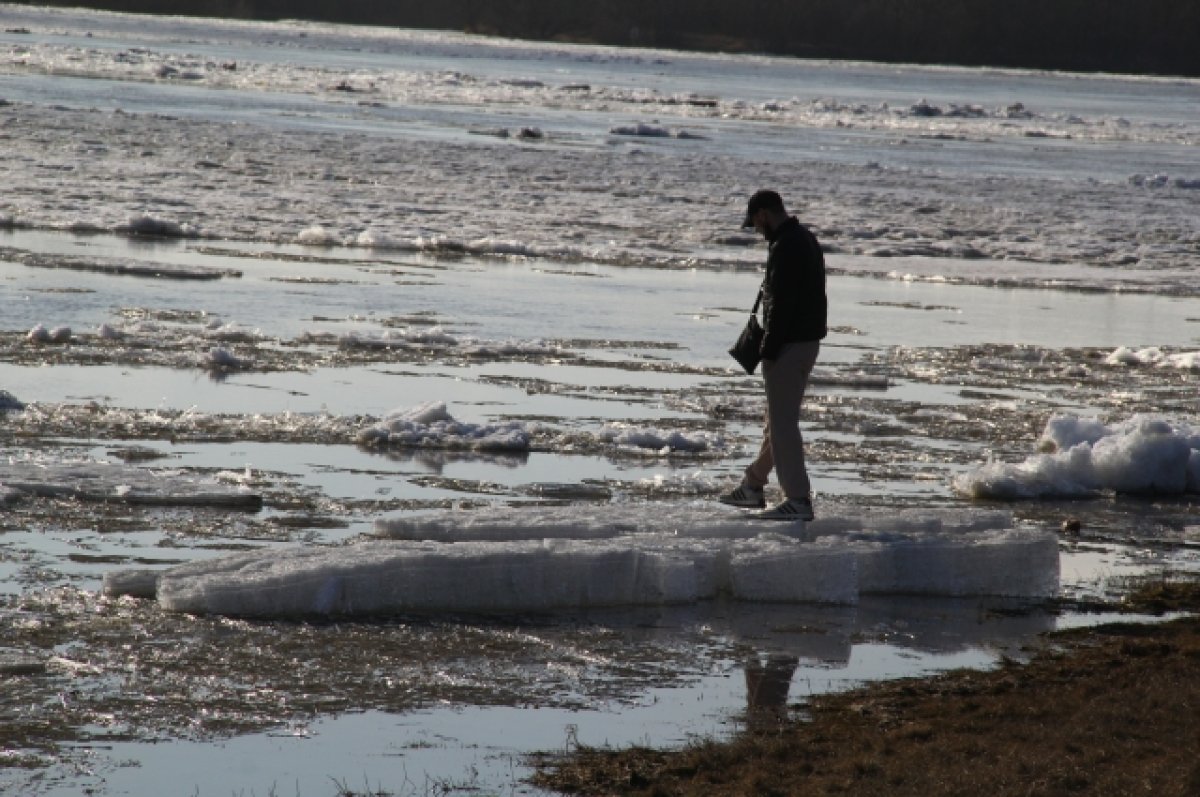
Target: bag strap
[[757, 300]]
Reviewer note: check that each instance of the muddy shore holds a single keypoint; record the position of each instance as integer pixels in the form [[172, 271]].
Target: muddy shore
[[1109, 710]]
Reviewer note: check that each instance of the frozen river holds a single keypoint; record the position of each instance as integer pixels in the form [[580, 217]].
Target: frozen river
[[288, 288]]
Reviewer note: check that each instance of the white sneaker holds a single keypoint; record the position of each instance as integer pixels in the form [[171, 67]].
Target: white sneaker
[[746, 497], [791, 509]]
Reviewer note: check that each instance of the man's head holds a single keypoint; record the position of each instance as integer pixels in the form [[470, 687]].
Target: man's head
[[765, 211]]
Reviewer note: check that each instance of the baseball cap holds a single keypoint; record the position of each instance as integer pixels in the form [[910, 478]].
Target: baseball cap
[[764, 198]]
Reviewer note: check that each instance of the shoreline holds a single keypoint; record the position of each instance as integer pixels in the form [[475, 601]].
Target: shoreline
[[1151, 38], [1105, 710]]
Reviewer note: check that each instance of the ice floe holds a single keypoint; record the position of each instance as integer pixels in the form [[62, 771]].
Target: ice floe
[[536, 559], [57, 335], [109, 483], [431, 425], [1082, 457], [125, 267], [1153, 355], [656, 440], [643, 130]]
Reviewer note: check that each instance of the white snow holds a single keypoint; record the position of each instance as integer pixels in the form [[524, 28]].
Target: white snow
[[430, 425], [533, 559], [57, 335], [1153, 355], [317, 235], [1083, 456], [656, 440]]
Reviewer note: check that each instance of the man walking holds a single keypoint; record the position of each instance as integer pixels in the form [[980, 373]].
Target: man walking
[[794, 321]]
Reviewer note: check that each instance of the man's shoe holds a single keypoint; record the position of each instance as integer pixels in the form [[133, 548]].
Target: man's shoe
[[746, 497], [791, 509]]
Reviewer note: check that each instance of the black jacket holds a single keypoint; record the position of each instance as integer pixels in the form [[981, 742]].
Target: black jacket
[[793, 290]]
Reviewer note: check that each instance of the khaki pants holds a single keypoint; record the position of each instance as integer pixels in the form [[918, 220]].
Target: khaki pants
[[783, 447]]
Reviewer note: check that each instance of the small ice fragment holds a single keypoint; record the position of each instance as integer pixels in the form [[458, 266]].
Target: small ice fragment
[[316, 235]]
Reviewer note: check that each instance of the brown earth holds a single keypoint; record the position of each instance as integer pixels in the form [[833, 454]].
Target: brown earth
[[1112, 710]]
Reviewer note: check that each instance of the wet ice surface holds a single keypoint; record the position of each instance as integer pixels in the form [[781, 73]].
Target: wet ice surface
[[369, 276]]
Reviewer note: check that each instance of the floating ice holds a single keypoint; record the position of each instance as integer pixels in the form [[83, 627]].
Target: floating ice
[[643, 130], [57, 335], [151, 225], [1153, 355], [1162, 181], [436, 338], [535, 559], [430, 425], [317, 236], [219, 359], [115, 266], [109, 483], [396, 339], [1145, 455], [657, 440]]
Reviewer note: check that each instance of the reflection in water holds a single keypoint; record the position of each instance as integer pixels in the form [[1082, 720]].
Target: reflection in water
[[798, 642], [768, 679], [435, 460]]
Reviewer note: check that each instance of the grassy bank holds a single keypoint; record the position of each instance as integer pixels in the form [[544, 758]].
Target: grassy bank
[[1113, 710], [1143, 37]]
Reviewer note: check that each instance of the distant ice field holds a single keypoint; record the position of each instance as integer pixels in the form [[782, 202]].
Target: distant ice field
[[439, 142]]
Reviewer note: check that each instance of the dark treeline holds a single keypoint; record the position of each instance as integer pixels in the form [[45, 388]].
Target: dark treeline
[[1130, 36]]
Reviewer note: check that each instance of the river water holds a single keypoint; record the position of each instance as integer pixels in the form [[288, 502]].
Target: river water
[[265, 237]]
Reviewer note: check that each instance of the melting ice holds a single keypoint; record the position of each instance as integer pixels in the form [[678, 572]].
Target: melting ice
[[1082, 456], [537, 559]]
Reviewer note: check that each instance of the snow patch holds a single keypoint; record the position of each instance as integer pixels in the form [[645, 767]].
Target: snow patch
[[1082, 457], [430, 425]]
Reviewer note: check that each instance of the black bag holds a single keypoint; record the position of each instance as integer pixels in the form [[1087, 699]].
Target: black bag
[[747, 350]]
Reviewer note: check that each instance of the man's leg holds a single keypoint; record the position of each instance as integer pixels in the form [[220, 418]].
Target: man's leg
[[786, 380], [758, 472]]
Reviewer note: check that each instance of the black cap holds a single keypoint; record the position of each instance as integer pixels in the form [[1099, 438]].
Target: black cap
[[762, 199]]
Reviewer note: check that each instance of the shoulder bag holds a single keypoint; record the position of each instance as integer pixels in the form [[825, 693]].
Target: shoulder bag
[[748, 349]]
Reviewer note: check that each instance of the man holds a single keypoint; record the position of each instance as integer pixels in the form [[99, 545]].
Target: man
[[794, 321]]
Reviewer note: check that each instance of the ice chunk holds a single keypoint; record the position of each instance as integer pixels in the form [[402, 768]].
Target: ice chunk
[[1147, 456], [389, 577], [220, 359], [1010, 563], [641, 129], [431, 426], [105, 482], [317, 235], [542, 558], [1187, 360], [39, 334], [655, 440], [1144, 454], [135, 583], [794, 573], [1064, 432], [150, 225]]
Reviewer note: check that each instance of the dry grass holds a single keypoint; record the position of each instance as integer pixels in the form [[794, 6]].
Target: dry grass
[[1107, 711]]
